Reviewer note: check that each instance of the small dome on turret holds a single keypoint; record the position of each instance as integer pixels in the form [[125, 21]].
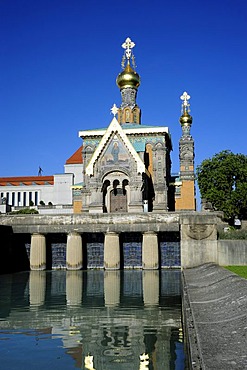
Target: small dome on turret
[[128, 78], [186, 119]]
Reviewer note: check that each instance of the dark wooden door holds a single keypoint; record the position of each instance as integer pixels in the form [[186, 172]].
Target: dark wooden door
[[118, 201]]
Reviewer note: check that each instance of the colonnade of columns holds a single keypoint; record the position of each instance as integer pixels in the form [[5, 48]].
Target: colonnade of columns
[[21, 198], [74, 253]]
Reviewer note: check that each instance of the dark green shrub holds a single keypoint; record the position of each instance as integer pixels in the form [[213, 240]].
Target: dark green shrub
[[233, 234], [24, 211]]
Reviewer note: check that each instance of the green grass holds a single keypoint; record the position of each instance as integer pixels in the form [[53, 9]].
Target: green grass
[[239, 270]]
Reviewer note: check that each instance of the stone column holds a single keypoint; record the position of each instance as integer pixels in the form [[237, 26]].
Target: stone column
[[159, 177], [74, 251], [38, 252], [111, 251], [37, 287], [150, 286], [150, 255], [135, 196], [112, 288], [74, 283]]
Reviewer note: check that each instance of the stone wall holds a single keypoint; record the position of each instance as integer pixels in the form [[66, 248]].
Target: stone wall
[[198, 238], [214, 313], [232, 252], [94, 223], [244, 224], [198, 231]]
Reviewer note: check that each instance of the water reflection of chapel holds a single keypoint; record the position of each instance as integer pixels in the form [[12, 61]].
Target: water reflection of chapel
[[127, 166]]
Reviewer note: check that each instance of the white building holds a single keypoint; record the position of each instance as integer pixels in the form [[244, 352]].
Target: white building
[[48, 194]]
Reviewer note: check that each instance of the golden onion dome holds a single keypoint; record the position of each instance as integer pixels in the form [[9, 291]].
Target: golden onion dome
[[128, 78], [186, 119]]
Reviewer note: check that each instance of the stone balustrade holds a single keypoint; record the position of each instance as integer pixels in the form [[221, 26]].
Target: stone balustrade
[[198, 235], [74, 251]]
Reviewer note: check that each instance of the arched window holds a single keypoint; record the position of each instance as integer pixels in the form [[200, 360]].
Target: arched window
[[104, 191], [127, 115], [124, 184]]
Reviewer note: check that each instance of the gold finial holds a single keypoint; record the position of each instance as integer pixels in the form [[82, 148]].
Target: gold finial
[[128, 45], [185, 119], [129, 77], [114, 110]]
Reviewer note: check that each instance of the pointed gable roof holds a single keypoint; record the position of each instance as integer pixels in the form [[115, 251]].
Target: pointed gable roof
[[76, 157], [114, 128]]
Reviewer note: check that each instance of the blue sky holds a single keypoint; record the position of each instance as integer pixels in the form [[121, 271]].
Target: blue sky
[[59, 60]]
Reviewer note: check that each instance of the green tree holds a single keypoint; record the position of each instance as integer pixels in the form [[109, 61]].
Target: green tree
[[222, 180]]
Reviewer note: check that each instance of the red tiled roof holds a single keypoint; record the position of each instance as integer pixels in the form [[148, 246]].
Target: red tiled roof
[[27, 180], [76, 158]]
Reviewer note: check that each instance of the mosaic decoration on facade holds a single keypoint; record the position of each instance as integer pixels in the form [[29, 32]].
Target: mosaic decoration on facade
[[132, 250], [91, 142], [139, 142], [95, 251], [146, 139], [77, 193], [116, 154], [170, 254], [58, 255]]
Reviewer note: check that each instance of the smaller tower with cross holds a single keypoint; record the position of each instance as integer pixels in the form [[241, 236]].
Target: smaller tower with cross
[[185, 199], [128, 81]]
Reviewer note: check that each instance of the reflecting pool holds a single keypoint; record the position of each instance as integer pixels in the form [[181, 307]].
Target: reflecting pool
[[95, 319]]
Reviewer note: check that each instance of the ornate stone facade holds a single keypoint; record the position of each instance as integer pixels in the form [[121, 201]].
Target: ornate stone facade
[[130, 165], [127, 166]]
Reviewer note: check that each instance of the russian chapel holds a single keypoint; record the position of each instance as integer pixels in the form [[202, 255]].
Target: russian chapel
[[127, 166]]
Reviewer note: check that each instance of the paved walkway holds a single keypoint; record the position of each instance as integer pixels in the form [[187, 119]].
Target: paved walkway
[[215, 315]]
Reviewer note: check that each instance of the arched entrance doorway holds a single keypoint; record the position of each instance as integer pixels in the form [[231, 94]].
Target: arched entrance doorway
[[118, 200], [115, 191]]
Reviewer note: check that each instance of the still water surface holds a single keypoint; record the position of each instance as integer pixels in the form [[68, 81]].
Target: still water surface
[[102, 320]]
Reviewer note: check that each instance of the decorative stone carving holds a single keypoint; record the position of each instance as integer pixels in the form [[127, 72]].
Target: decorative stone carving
[[186, 151], [186, 132], [206, 205], [199, 232], [88, 149], [128, 97]]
